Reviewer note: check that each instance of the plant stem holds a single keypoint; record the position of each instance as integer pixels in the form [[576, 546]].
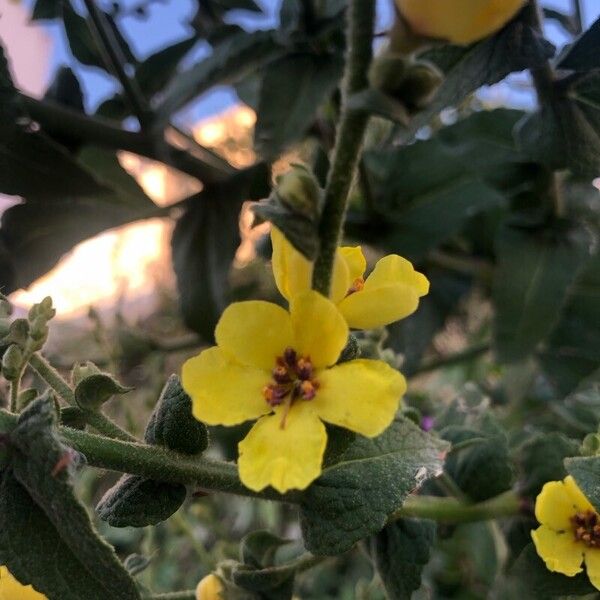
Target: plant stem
[[185, 595], [114, 59], [97, 420], [451, 510], [446, 361], [349, 139], [577, 16], [58, 119]]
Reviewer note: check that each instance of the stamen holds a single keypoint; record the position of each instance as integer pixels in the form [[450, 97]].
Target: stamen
[[357, 285], [308, 390], [290, 356], [304, 368], [281, 375], [586, 528]]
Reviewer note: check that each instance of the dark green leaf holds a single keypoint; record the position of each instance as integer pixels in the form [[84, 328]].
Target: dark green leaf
[[250, 5], [81, 41], [258, 549], [541, 459], [354, 497], [465, 169], [535, 268], [400, 551], [514, 48], [172, 424], [48, 539], [377, 103], [65, 89], [293, 88], [529, 579], [586, 472], [204, 243], [46, 9], [96, 389], [583, 54], [137, 502], [232, 59], [275, 583]]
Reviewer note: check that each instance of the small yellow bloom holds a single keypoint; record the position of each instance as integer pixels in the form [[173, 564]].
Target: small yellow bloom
[[390, 293], [11, 589], [210, 588], [569, 534], [279, 368], [458, 21]]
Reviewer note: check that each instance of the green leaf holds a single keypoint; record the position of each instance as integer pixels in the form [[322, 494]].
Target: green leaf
[[465, 169], [541, 459], [80, 39], [583, 54], [354, 497], [529, 579], [535, 267], [514, 48], [292, 90], [47, 538], [233, 58], [259, 547], [96, 389], [586, 472], [138, 502], [400, 551], [275, 583], [377, 103], [172, 424], [46, 9], [204, 243]]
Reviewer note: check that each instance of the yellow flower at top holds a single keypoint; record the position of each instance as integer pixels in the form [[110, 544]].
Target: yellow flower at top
[[210, 588], [390, 293], [458, 21], [280, 367], [569, 534], [11, 589]]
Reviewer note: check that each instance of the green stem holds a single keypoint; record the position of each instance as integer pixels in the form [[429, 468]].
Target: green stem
[[466, 355], [97, 420], [58, 119], [185, 595], [452, 510], [349, 139]]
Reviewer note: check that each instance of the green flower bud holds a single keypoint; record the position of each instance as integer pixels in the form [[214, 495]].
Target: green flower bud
[[591, 445], [387, 72], [299, 191], [38, 330], [26, 397], [12, 362], [419, 85], [6, 308], [81, 372]]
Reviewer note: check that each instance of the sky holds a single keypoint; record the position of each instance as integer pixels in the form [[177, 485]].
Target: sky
[[167, 23]]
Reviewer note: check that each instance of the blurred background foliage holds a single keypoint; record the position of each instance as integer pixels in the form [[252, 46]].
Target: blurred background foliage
[[498, 203]]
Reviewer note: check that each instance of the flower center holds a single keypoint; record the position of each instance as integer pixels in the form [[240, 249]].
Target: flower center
[[586, 528], [357, 285], [293, 379]]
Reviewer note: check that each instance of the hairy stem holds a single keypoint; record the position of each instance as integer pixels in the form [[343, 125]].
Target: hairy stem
[[349, 139], [465, 355], [97, 420]]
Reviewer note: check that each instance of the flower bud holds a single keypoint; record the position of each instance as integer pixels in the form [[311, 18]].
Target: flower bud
[[458, 21], [299, 190], [387, 72], [419, 85], [12, 362], [38, 330], [210, 588]]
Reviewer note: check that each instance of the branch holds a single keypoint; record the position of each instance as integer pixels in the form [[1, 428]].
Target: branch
[[465, 355], [349, 139]]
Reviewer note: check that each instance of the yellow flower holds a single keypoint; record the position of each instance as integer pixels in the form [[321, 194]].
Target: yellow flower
[[390, 293], [458, 21], [278, 367], [11, 589], [210, 588], [569, 534]]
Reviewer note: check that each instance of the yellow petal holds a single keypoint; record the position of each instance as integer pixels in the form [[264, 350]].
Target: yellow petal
[[224, 392], [372, 308], [254, 333], [360, 395], [395, 269], [580, 502], [11, 589], [554, 506], [592, 564], [320, 331], [285, 458], [340, 281], [210, 588], [355, 259], [292, 272], [559, 551]]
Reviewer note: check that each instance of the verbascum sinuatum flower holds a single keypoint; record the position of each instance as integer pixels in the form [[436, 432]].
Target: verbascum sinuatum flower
[[280, 367], [458, 21], [390, 293], [210, 588], [569, 534], [11, 589]]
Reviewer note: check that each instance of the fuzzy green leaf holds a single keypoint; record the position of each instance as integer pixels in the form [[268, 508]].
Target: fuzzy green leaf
[[354, 497], [400, 551], [96, 389], [586, 472]]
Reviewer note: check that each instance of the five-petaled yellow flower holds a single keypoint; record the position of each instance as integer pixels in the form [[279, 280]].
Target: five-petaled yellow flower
[[390, 293], [458, 21], [569, 534], [11, 589], [280, 368]]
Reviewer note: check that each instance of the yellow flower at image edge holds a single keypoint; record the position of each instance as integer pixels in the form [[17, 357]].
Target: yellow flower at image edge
[[210, 588], [569, 534], [390, 293], [11, 589], [458, 21], [279, 368]]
